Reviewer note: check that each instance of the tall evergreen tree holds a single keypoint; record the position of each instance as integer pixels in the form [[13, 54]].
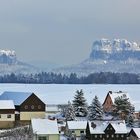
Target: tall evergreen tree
[[123, 107], [130, 119], [95, 110], [79, 103], [70, 114]]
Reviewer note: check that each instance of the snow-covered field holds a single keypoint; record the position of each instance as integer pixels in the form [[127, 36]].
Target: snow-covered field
[[61, 93]]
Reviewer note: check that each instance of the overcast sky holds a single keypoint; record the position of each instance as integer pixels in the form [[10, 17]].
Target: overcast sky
[[62, 31]]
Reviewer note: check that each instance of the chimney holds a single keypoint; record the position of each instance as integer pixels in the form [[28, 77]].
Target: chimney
[[93, 125]]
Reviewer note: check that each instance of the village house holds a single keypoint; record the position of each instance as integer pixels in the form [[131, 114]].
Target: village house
[[76, 128], [134, 134], [103, 130], [108, 104], [44, 129], [7, 113], [27, 105]]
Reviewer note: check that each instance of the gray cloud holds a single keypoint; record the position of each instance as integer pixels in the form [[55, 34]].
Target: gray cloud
[[62, 31]]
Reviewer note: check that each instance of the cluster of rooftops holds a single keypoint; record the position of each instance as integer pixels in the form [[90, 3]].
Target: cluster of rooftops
[[93, 128], [20, 101]]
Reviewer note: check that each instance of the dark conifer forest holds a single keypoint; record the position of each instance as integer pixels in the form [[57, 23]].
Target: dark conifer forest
[[52, 78]]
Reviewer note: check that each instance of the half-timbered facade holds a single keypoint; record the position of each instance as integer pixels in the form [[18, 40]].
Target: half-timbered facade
[[103, 130]]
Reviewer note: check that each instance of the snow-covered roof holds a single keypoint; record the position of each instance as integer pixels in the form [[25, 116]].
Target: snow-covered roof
[[7, 104], [17, 97], [98, 127], [120, 127], [44, 126], [114, 95], [77, 125], [137, 131]]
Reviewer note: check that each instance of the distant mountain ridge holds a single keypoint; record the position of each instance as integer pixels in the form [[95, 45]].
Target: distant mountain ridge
[[9, 63], [8, 57], [118, 55], [118, 50]]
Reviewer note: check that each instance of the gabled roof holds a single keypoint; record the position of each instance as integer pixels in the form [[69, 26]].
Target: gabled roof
[[119, 127], [114, 95], [7, 104], [77, 125], [17, 97], [137, 132], [44, 126], [99, 127]]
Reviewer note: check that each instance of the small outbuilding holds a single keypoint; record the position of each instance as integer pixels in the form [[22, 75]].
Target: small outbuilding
[[76, 128], [44, 129]]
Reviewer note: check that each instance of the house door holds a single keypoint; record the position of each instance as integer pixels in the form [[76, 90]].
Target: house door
[[17, 117]]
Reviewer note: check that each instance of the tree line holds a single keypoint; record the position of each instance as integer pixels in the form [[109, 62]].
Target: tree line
[[73, 78]]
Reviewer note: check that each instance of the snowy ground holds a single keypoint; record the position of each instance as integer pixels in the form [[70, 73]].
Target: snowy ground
[[19, 133], [61, 93]]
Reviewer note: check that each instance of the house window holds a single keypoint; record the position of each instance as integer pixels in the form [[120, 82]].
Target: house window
[[26, 107], [42, 138], [82, 132], [73, 132], [117, 135], [32, 107], [39, 106], [122, 136], [107, 136], [8, 116], [95, 136], [100, 136], [112, 136]]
